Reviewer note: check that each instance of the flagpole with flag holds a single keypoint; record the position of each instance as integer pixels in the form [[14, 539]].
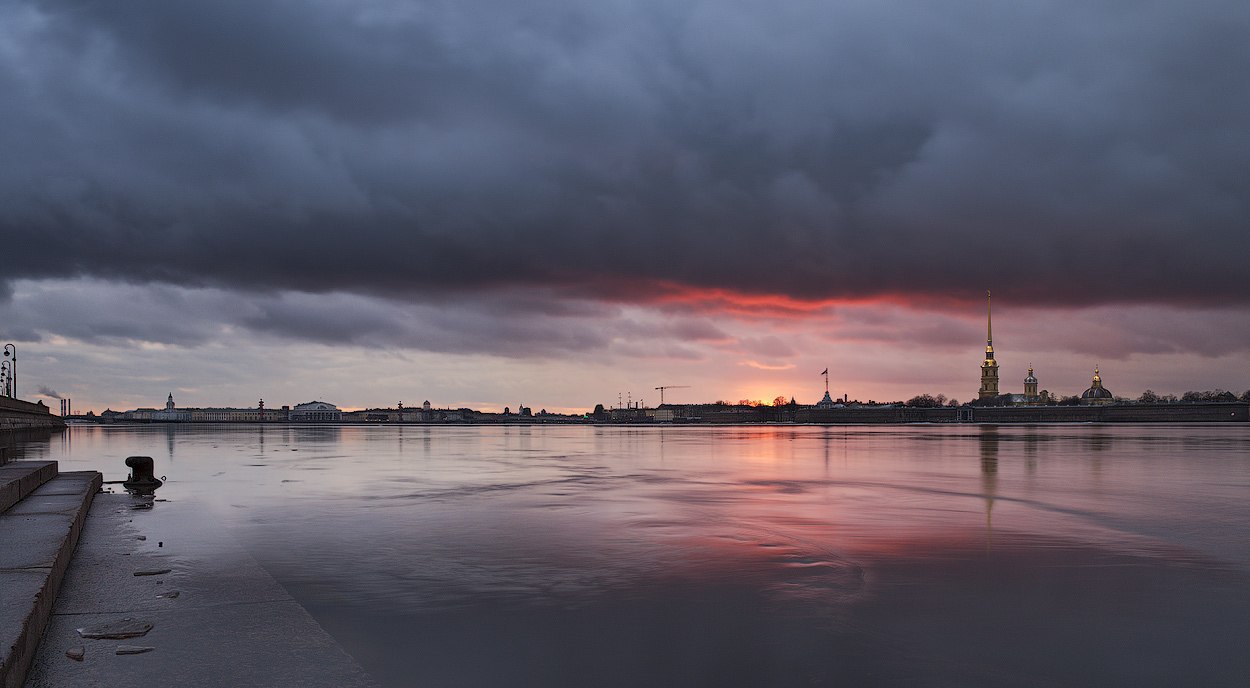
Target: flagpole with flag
[[825, 372]]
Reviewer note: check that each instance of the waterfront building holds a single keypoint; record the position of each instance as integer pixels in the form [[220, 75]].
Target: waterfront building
[[660, 415], [632, 413], [171, 413], [989, 367], [1097, 395], [227, 415], [315, 411], [373, 415], [141, 414], [404, 414]]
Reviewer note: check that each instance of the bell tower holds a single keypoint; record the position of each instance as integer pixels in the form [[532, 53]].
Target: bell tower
[[1030, 387], [989, 367]]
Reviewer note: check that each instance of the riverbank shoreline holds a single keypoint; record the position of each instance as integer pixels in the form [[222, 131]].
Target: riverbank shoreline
[[791, 414]]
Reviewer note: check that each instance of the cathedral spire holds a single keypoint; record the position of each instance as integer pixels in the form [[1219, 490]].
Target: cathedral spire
[[989, 367], [989, 327]]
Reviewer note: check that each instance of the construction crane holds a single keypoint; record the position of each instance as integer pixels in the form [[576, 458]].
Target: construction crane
[[664, 387]]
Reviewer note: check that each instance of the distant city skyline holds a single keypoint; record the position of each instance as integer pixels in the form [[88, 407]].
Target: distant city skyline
[[503, 202], [906, 368]]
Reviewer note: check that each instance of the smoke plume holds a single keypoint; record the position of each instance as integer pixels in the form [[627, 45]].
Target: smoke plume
[[48, 392]]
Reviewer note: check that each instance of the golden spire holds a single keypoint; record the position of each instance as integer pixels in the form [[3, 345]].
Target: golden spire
[[989, 329], [989, 367], [989, 321]]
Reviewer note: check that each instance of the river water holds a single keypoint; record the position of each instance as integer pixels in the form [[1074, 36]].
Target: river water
[[736, 556]]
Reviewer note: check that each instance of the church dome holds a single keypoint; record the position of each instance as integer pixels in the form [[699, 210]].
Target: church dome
[[1096, 392], [1030, 378]]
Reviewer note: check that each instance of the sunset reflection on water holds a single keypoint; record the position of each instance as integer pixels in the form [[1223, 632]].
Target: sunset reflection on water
[[900, 555]]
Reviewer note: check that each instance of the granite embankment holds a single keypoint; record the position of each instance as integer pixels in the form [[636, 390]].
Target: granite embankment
[[120, 590], [42, 512], [194, 608], [16, 415]]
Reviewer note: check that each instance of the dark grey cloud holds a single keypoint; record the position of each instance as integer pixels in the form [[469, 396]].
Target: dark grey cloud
[[1061, 152], [515, 325], [1113, 332], [529, 324]]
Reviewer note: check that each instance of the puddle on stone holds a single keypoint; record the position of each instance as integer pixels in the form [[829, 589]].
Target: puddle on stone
[[116, 630], [133, 649]]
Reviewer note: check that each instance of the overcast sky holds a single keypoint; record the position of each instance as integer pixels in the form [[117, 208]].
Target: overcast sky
[[494, 202]]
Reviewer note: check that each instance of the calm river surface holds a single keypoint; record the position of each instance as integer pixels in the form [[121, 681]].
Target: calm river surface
[[737, 556]]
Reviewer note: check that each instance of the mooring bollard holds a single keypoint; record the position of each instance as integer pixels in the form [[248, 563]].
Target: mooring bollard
[[142, 479]]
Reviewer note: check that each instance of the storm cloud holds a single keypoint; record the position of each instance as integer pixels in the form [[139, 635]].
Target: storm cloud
[[1059, 152], [515, 325]]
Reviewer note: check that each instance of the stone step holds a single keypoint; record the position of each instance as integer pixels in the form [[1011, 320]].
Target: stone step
[[37, 539], [20, 478]]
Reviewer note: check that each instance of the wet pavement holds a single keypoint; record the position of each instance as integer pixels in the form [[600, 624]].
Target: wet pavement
[[159, 597]]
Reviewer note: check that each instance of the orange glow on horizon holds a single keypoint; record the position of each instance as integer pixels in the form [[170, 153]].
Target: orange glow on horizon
[[741, 303]]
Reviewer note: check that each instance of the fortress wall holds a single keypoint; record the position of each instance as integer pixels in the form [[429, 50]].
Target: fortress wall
[[16, 414], [1213, 412]]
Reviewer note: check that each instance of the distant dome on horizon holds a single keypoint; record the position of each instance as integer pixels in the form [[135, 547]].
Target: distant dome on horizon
[[1097, 394]]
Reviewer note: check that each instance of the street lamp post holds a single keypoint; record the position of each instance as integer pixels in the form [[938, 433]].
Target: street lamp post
[[4, 379], [10, 350]]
